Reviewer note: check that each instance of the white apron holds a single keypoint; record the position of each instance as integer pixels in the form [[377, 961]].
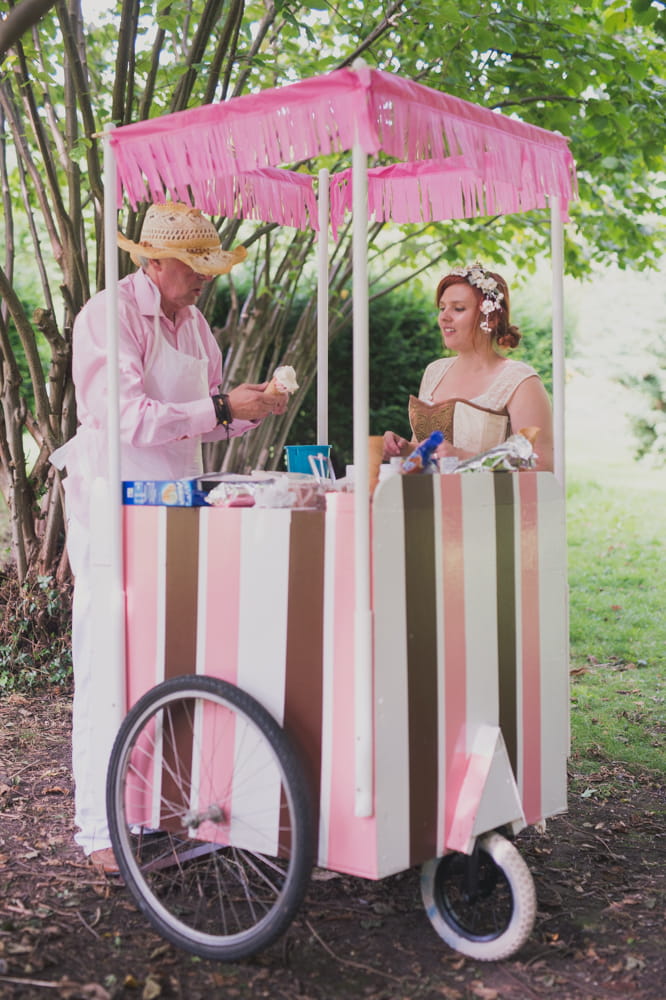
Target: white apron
[[171, 377]]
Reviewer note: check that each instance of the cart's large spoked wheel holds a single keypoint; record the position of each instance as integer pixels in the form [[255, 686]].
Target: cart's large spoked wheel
[[482, 904], [210, 817]]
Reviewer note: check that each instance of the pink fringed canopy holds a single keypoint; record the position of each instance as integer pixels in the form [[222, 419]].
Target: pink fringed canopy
[[454, 159]]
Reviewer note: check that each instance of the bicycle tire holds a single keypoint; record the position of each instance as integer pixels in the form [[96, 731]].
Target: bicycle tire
[[196, 774]]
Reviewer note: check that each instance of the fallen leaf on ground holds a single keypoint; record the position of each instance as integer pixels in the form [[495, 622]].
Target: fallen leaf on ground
[[483, 992]]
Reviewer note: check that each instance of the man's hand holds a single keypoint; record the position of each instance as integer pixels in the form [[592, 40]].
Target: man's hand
[[249, 402]]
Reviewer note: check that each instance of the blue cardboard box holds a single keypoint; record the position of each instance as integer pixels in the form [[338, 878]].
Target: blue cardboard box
[[163, 493]]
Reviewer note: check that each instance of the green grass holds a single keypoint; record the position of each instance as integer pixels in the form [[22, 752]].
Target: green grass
[[617, 582]]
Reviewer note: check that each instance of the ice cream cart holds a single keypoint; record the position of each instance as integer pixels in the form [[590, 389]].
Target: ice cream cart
[[374, 685]]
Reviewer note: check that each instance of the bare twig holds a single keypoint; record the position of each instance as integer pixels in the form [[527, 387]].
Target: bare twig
[[44, 984], [350, 962], [89, 927]]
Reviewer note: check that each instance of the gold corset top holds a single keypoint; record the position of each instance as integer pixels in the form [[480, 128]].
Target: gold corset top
[[466, 425]]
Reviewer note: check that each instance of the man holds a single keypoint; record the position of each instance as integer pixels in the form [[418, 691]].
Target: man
[[170, 370]]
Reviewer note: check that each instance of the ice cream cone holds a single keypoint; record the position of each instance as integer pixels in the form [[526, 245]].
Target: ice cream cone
[[283, 382], [274, 388]]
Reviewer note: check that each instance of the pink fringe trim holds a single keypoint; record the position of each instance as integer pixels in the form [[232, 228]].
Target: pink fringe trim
[[458, 160]]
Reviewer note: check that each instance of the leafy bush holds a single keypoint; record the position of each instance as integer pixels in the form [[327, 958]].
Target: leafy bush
[[35, 633]]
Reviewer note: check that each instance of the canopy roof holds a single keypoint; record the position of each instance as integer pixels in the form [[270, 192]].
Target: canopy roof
[[453, 159]]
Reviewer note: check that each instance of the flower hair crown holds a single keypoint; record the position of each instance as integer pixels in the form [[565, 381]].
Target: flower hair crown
[[477, 276]]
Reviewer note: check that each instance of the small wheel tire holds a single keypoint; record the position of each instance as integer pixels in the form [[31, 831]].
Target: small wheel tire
[[210, 817], [495, 918]]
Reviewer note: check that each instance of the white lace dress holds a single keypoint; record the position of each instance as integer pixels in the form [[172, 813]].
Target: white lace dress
[[473, 425]]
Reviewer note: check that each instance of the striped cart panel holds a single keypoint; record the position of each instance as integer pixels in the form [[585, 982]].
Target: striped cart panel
[[346, 843], [470, 648], [471, 656]]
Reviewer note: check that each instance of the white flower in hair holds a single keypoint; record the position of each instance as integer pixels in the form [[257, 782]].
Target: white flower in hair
[[477, 276]]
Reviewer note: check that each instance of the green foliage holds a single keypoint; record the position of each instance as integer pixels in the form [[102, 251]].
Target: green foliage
[[35, 634], [652, 13], [617, 627], [26, 285], [648, 422]]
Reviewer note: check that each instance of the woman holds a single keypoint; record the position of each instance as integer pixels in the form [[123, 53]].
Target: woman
[[478, 397]]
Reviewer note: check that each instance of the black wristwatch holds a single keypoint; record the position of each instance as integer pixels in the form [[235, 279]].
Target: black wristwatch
[[222, 410]]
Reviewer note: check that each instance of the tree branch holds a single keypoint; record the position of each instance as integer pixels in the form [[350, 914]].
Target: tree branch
[[205, 29], [19, 20], [390, 19], [546, 98], [227, 40]]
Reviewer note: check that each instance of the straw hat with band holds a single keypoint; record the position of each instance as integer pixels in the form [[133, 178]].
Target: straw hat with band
[[178, 231]]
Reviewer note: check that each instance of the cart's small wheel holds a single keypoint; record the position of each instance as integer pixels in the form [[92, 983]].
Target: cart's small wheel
[[210, 817], [483, 905]]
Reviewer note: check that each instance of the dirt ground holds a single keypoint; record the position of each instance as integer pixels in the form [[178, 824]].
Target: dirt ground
[[66, 932]]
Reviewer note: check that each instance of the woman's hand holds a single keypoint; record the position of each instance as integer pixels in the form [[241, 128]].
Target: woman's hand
[[447, 450], [394, 445]]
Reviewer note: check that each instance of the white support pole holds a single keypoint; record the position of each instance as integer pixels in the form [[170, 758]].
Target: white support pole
[[115, 607], [322, 309], [363, 717], [557, 263]]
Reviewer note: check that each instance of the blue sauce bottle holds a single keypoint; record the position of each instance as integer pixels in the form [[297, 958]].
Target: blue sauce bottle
[[422, 456]]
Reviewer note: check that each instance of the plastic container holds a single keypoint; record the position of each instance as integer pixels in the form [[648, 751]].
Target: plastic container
[[298, 457]]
